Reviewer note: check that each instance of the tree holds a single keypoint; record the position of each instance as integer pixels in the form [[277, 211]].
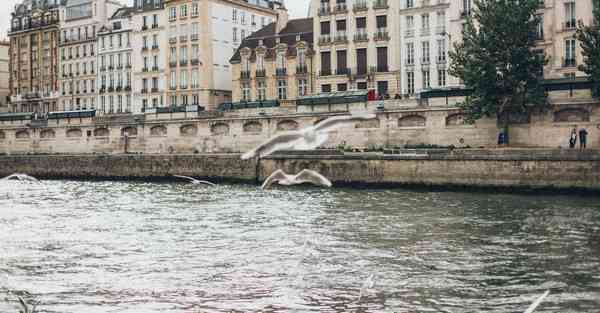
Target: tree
[[589, 36], [496, 60]]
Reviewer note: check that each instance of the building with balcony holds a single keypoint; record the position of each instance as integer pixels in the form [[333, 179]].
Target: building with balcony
[[150, 42], [275, 63], [424, 41], [115, 64], [80, 22], [4, 76], [34, 61], [202, 37], [357, 45]]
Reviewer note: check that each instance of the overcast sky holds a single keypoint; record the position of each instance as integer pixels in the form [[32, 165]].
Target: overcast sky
[[297, 8]]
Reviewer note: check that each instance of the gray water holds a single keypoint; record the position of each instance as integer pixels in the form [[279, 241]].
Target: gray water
[[159, 247]]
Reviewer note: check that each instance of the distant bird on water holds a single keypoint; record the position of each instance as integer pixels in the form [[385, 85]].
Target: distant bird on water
[[195, 181], [308, 138], [537, 302], [21, 177], [305, 176]]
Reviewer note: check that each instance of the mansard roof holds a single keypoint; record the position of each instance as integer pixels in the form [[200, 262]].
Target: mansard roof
[[296, 27]]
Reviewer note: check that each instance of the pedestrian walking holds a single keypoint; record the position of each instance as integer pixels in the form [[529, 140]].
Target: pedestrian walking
[[583, 138], [573, 139]]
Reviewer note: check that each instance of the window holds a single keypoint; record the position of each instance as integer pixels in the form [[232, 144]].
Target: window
[[361, 61], [246, 91], [195, 52], [154, 20], [410, 82], [173, 55], [342, 87], [441, 50], [426, 79], [425, 24], [425, 52], [242, 34], [410, 53], [570, 17], [382, 59], [195, 83], [173, 80], [195, 10], [172, 13], [183, 54], [302, 87], [183, 80], [281, 89], [234, 15], [326, 88], [243, 18], [280, 59], [441, 78], [301, 56], [262, 90], [569, 53], [235, 34], [410, 4]]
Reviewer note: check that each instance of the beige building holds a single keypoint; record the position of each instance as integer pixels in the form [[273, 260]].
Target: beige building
[[357, 45], [34, 37], [275, 63], [4, 76], [202, 37]]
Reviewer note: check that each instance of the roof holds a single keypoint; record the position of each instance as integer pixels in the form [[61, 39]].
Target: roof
[[123, 13], [297, 27]]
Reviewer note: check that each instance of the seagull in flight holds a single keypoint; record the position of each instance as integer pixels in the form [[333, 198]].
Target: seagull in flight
[[305, 176], [195, 181], [21, 177], [308, 138], [537, 302]]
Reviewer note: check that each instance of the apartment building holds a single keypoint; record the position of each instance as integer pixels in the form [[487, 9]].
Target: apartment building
[[424, 41], [275, 63], [4, 76], [357, 45], [80, 22], [115, 64], [150, 45], [34, 36], [202, 37]]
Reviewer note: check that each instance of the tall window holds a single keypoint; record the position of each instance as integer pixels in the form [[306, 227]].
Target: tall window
[[570, 16], [425, 51], [183, 79], [441, 45], [260, 62], [410, 53], [183, 11], [282, 89], [410, 82], [246, 91], [173, 80], [262, 90], [172, 13], [425, 24], [195, 76], [570, 52], [426, 79], [302, 87], [441, 78], [281, 59]]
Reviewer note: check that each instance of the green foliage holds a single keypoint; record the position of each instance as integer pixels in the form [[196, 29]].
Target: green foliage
[[589, 37], [497, 61]]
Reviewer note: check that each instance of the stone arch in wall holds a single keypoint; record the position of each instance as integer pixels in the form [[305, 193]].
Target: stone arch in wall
[[47, 134], [22, 134], [456, 119], [101, 132], [130, 131], [253, 127], [572, 115], [412, 121], [74, 133], [158, 130], [372, 123], [188, 130], [287, 125], [219, 129]]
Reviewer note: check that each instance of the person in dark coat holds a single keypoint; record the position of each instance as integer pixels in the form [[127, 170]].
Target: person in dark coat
[[573, 138], [583, 138]]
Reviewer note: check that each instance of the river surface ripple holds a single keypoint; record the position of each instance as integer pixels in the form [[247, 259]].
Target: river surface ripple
[[160, 247]]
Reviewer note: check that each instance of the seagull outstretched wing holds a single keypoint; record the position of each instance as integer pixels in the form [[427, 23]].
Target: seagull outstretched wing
[[275, 177], [309, 176], [195, 181], [282, 141], [336, 122], [537, 302]]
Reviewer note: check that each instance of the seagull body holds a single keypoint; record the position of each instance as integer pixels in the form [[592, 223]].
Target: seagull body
[[308, 138], [21, 177], [537, 302], [305, 176], [195, 181]]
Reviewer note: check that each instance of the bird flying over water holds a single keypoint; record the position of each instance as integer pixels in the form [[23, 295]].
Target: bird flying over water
[[305, 176], [21, 177], [195, 181], [308, 138], [537, 302]]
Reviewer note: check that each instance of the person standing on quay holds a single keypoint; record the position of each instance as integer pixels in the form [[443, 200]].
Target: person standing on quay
[[573, 139], [583, 138]]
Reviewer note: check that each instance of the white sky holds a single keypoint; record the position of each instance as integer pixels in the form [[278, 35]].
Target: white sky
[[297, 8]]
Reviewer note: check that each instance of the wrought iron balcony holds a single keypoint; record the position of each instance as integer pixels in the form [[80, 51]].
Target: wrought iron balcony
[[360, 6], [342, 71], [260, 73], [380, 5], [301, 69], [340, 8], [382, 35], [361, 36], [245, 74]]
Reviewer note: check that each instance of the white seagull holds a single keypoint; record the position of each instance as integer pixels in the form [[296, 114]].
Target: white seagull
[[195, 181], [21, 177], [308, 138], [305, 176], [537, 302]]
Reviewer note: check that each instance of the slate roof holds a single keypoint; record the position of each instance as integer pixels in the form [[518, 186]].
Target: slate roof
[[123, 13], [302, 27]]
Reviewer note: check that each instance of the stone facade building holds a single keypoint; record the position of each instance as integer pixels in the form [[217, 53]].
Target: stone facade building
[[4, 76], [80, 22], [34, 62], [275, 63]]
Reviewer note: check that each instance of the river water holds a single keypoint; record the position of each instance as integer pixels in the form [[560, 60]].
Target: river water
[[172, 247]]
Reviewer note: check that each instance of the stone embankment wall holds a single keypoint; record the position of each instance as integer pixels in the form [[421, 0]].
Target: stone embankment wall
[[560, 169], [399, 123]]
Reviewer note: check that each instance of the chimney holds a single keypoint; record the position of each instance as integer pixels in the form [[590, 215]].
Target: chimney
[[282, 17]]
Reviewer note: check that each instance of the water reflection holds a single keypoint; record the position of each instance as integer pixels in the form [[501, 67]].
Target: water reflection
[[146, 247]]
